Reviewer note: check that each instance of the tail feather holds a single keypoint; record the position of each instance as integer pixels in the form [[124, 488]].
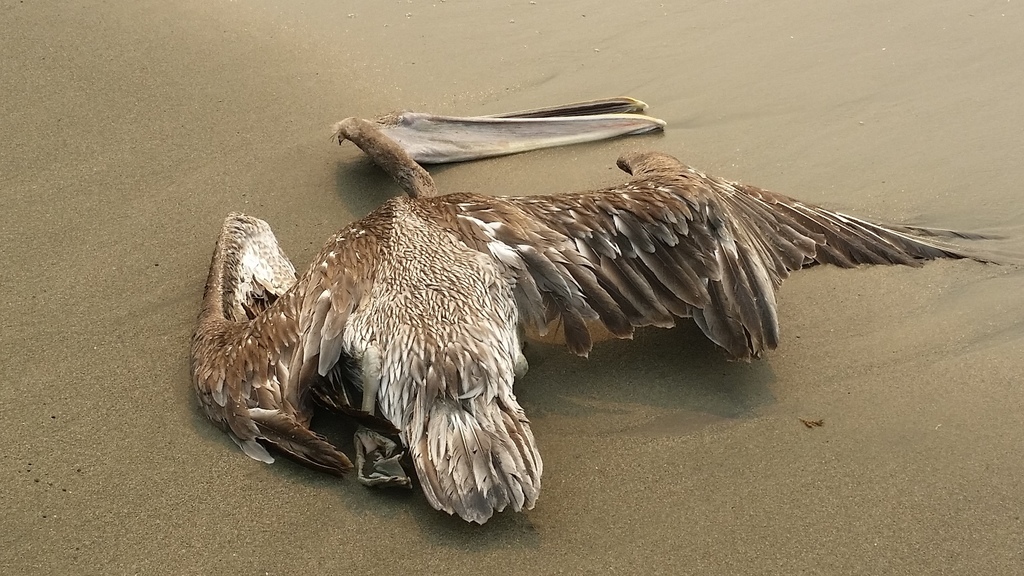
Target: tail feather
[[477, 457]]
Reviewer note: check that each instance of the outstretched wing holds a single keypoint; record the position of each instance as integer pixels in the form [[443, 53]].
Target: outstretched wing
[[670, 243]]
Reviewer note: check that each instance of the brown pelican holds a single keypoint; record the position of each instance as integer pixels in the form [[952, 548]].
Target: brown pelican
[[410, 319]]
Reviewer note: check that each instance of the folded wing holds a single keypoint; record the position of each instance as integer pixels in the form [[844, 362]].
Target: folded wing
[[257, 349]]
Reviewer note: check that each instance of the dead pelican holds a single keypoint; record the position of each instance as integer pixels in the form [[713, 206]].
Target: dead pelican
[[409, 319]]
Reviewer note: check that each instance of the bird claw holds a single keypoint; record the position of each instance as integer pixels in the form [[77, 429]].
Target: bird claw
[[378, 460]]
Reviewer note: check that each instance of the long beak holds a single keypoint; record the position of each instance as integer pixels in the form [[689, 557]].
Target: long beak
[[433, 139], [620, 105]]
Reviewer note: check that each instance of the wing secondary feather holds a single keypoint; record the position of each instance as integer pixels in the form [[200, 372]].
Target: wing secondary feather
[[670, 243]]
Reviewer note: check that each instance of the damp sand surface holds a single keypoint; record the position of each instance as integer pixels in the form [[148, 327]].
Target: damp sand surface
[[131, 128]]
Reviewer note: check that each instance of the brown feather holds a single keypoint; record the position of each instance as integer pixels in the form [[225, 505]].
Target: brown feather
[[437, 286], [658, 241]]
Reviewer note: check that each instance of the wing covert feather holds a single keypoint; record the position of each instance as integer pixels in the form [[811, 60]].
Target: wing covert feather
[[253, 363], [670, 243]]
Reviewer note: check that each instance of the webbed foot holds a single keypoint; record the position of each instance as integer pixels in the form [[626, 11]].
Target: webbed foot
[[378, 460]]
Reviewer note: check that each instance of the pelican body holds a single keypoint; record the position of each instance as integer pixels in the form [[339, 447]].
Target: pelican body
[[409, 320]]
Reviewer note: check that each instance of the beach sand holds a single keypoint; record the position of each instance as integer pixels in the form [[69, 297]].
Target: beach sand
[[131, 128]]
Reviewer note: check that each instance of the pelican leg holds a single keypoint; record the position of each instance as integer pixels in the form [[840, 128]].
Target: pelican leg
[[370, 367], [521, 366], [378, 458]]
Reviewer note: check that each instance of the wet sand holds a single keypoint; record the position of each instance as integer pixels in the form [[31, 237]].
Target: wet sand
[[131, 128]]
